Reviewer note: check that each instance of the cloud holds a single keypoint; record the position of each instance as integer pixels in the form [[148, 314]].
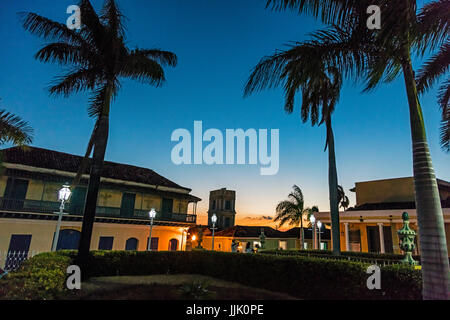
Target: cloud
[[259, 218]]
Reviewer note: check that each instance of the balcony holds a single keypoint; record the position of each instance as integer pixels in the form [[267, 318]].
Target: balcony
[[38, 206]]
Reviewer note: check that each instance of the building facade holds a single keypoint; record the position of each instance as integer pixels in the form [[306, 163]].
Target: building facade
[[29, 186], [248, 238], [372, 224], [222, 204]]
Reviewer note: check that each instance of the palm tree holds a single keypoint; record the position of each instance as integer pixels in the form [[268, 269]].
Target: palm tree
[[433, 69], [98, 59], [343, 200], [292, 211], [382, 55], [301, 68]]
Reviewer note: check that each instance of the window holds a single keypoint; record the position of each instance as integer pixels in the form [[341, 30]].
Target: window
[[127, 206], [77, 200], [18, 247], [68, 239], [131, 244], [105, 243], [153, 244], [15, 192], [228, 205], [282, 244], [227, 222], [214, 204], [167, 205], [173, 244]]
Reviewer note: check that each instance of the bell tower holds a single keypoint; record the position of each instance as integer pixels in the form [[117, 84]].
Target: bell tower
[[222, 203]]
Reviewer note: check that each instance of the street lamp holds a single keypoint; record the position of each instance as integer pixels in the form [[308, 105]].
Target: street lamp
[[213, 220], [319, 226], [151, 215], [313, 221], [63, 196]]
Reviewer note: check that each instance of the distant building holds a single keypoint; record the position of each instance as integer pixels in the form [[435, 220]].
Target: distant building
[[28, 199], [249, 236], [372, 225], [222, 204]]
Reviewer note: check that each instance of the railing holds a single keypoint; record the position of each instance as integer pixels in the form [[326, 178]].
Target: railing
[[39, 206], [11, 260]]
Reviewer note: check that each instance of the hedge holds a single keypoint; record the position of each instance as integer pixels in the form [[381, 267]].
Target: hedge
[[345, 254], [307, 278], [41, 277]]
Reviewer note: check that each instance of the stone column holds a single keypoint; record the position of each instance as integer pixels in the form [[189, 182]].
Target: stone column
[[380, 229], [347, 240]]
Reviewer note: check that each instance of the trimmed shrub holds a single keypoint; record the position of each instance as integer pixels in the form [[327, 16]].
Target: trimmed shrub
[[41, 277], [303, 277]]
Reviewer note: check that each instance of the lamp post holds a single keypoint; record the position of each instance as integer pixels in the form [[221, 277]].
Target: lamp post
[[63, 196], [213, 220], [319, 226], [151, 215], [312, 219]]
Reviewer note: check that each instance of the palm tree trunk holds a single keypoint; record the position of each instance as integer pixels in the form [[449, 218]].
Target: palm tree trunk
[[101, 139], [432, 241], [333, 190]]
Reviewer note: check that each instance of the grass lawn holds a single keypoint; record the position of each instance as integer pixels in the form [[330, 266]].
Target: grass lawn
[[169, 287]]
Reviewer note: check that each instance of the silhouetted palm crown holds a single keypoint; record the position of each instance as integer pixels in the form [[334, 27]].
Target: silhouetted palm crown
[[97, 53]]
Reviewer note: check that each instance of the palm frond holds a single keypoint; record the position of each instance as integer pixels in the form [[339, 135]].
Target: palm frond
[[329, 11], [75, 81], [443, 99], [14, 129], [433, 25], [65, 53], [165, 58], [433, 68], [49, 29], [141, 68], [112, 17]]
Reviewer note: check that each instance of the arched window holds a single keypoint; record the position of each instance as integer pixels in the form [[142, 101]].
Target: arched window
[[68, 239], [132, 244], [173, 245]]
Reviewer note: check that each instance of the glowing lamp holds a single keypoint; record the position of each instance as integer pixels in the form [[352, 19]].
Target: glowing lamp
[[64, 193]]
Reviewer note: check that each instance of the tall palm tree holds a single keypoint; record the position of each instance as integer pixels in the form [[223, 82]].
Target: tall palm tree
[[293, 211], [301, 69], [98, 58], [385, 54], [433, 69]]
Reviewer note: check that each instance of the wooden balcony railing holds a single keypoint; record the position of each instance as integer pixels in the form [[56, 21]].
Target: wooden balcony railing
[[38, 206]]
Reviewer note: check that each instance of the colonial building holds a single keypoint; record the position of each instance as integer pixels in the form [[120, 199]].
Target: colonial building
[[29, 185], [372, 224], [249, 237]]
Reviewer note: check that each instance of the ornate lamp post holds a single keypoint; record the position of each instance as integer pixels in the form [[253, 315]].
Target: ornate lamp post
[[312, 219], [262, 239], [406, 236], [63, 196], [319, 226], [213, 220], [151, 215]]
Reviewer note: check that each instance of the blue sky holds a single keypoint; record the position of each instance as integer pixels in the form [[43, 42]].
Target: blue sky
[[217, 43]]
